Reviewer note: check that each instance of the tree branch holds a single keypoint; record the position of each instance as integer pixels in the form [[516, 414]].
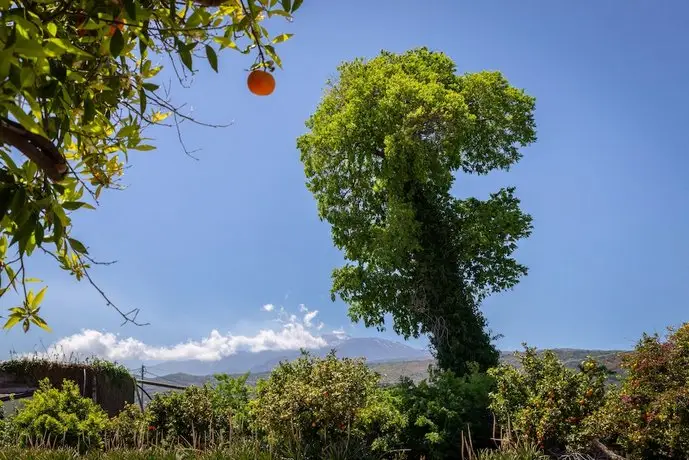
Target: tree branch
[[36, 148], [607, 451]]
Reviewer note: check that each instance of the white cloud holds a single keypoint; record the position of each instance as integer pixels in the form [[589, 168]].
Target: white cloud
[[292, 334], [339, 333], [308, 318], [302, 308], [107, 345]]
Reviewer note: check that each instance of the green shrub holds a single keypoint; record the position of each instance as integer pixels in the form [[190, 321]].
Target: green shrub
[[648, 416], [441, 408], [60, 417], [230, 400], [242, 451], [129, 429], [185, 417], [199, 416], [380, 424], [516, 453], [545, 402], [324, 408]]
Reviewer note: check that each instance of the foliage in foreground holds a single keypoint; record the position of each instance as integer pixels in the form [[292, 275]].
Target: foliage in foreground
[[241, 451], [60, 417], [199, 416], [334, 408], [544, 401], [310, 406], [648, 416], [444, 409]]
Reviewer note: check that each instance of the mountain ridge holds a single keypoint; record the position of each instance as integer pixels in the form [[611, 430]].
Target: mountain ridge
[[389, 358], [417, 370], [371, 348]]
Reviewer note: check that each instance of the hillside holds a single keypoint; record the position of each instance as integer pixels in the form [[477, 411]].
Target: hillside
[[373, 349], [392, 371]]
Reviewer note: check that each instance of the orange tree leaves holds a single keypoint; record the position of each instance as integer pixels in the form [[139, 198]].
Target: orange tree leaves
[[77, 91]]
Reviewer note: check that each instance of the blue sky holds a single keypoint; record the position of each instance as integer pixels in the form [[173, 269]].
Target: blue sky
[[204, 245]]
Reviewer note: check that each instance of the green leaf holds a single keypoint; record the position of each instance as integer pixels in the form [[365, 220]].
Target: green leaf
[[142, 101], [39, 298], [25, 326], [212, 57], [89, 110], [116, 43], [39, 233], [25, 120], [78, 246], [33, 49], [143, 39], [12, 321], [271, 52], [51, 28], [18, 203], [9, 162], [143, 147], [60, 214], [186, 58], [74, 205], [286, 5], [194, 21], [6, 195], [65, 46], [282, 13], [28, 77], [282, 37], [24, 232], [296, 5], [40, 322], [130, 8]]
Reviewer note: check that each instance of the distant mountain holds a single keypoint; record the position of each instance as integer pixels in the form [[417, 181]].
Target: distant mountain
[[416, 369], [373, 349]]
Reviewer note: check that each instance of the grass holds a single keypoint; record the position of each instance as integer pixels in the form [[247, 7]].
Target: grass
[[151, 454]]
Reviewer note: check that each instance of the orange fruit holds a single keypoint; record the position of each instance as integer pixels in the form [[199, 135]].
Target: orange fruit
[[261, 83], [118, 25]]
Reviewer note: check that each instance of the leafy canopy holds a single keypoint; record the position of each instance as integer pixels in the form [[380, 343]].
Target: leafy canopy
[[381, 156], [78, 89]]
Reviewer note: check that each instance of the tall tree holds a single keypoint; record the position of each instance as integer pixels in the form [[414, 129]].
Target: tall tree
[[381, 156], [78, 89]]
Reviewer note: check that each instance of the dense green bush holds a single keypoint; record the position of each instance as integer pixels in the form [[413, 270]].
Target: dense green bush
[[544, 401], [60, 417], [441, 408], [380, 424], [311, 405], [648, 416], [198, 416], [129, 429], [230, 399]]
